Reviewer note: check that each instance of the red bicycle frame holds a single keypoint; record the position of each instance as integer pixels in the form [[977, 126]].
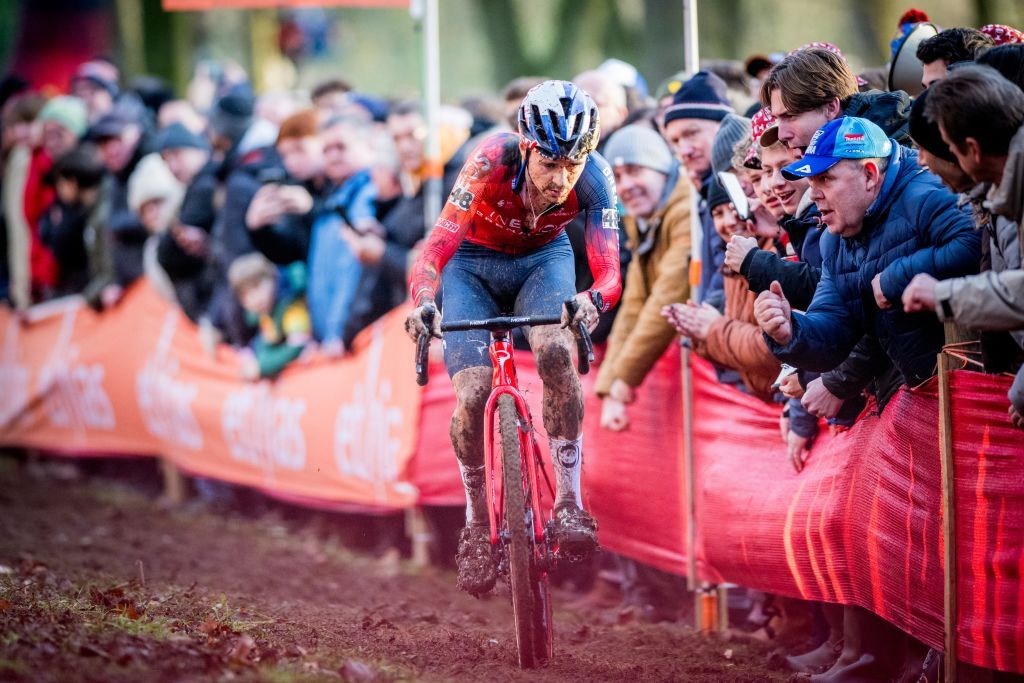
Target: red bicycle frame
[[505, 381]]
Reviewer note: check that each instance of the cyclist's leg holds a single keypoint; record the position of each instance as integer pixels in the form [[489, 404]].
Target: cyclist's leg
[[466, 296], [550, 282]]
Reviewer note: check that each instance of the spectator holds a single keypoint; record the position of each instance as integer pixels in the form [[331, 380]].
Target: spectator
[[690, 126], [886, 221], [181, 111], [95, 83], [244, 167], [608, 95], [154, 195], [981, 115], [69, 228], [731, 339], [122, 146], [182, 250], [657, 203], [512, 95], [19, 114], [273, 298], [813, 86], [948, 47], [330, 97]]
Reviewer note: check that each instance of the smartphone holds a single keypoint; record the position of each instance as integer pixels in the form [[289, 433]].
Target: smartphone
[[731, 185], [786, 371], [272, 175]]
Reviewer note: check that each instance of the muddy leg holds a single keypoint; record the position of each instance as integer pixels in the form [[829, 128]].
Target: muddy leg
[[472, 387], [563, 409]]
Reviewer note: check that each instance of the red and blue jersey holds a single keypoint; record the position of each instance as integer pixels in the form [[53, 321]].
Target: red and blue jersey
[[488, 207]]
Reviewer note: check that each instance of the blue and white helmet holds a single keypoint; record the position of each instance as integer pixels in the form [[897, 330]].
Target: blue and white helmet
[[560, 120]]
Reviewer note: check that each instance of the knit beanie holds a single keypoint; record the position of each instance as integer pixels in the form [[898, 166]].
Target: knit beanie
[[232, 114], [733, 129], [151, 180], [701, 97], [926, 133], [716, 193], [69, 112], [640, 145]]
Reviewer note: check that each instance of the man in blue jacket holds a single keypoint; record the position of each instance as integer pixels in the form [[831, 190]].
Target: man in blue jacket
[[887, 220]]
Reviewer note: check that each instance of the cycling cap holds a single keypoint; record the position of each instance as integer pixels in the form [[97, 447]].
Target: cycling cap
[[560, 120]]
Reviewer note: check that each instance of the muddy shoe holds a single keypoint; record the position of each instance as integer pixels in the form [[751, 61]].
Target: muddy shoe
[[574, 532], [477, 566]]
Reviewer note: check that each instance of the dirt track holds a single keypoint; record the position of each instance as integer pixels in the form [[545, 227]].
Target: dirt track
[[231, 598]]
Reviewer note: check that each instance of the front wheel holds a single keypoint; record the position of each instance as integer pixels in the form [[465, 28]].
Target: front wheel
[[528, 581]]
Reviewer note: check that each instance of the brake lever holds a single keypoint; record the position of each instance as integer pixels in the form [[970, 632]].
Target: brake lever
[[584, 344], [423, 349]]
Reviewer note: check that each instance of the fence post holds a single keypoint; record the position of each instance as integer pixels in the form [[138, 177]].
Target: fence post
[[948, 518], [418, 530], [688, 471]]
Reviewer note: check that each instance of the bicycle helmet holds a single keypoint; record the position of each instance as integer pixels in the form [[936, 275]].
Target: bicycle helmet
[[560, 120]]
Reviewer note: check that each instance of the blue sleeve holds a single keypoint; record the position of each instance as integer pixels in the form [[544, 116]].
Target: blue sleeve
[[362, 206], [954, 245], [824, 336]]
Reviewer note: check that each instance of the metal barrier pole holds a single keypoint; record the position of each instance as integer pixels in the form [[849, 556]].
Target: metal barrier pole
[[949, 518], [688, 471]]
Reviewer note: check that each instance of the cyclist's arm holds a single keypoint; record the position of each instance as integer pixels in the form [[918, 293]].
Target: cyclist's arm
[[596, 192], [453, 223]]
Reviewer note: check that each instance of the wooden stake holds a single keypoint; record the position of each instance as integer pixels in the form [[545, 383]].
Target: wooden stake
[[688, 471], [418, 530], [951, 614], [174, 482]]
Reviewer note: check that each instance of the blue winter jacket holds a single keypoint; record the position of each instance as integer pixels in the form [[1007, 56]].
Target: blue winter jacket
[[913, 226]]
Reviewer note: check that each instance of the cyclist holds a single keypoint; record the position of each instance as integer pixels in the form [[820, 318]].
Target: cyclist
[[498, 247]]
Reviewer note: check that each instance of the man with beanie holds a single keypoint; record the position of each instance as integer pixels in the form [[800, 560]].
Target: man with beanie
[[732, 130], [95, 84], [656, 198], [240, 173], [690, 126]]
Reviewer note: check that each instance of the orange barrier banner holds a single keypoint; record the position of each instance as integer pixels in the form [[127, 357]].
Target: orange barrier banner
[[136, 381], [860, 525]]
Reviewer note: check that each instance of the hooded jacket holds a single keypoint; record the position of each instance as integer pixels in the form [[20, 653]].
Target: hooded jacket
[[656, 277], [890, 111], [913, 226]]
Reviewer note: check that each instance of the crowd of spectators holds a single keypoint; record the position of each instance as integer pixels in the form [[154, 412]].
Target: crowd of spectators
[[843, 231]]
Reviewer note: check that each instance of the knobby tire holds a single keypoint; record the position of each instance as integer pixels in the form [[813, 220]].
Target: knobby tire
[[531, 602]]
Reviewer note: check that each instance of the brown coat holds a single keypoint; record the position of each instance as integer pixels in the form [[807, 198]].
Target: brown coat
[[654, 279], [735, 340]]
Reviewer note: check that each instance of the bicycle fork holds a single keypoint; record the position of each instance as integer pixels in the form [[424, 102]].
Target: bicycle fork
[[505, 382]]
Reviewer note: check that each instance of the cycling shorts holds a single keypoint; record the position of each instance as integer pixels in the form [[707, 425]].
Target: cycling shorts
[[482, 283]]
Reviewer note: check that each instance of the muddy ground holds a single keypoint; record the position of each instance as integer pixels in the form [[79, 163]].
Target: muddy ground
[[100, 582]]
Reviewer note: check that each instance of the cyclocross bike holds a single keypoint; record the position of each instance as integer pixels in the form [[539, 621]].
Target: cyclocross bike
[[520, 526]]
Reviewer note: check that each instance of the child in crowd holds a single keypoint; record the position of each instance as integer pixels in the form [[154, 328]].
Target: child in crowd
[[274, 299], [69, 227]]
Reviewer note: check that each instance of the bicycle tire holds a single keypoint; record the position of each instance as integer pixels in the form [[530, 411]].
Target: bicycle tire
[[531, 604]]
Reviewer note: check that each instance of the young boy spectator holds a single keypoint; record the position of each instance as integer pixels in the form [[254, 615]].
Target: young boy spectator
[[274, 300]]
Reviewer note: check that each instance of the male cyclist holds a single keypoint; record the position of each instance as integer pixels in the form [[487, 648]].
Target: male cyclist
[[500, 247]]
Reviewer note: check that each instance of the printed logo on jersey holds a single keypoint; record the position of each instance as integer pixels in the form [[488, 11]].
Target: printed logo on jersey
[[610, 219], [461, 198], [450, 226]]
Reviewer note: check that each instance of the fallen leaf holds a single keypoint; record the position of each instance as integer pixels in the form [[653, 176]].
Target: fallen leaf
[[242, 648], [4, 604]]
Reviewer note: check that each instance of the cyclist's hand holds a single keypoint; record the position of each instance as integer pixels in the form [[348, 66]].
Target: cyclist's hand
[[797, 449], [415, 325], [614, 415], [586, 312]]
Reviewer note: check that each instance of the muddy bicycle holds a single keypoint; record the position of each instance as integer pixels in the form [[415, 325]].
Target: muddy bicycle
[[521, 528]]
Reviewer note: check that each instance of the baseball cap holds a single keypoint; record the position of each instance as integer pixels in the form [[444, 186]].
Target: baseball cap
[[847, 137]]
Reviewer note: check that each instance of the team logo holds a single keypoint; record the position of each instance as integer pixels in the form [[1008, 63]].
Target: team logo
[[461, 197], [610, 219], [806, 168], [853, 137]]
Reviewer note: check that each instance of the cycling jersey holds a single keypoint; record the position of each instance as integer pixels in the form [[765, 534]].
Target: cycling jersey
[[487, 208]]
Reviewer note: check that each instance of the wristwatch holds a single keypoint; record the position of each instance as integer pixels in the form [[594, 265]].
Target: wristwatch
[[597, 299]]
